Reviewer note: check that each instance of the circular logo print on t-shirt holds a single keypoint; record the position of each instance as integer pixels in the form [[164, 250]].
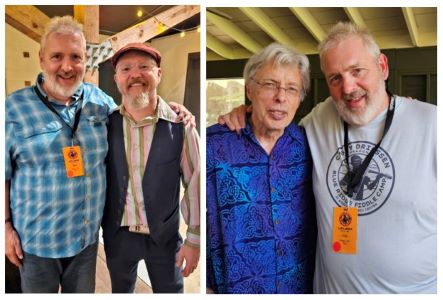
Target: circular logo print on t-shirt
[[375, 185]]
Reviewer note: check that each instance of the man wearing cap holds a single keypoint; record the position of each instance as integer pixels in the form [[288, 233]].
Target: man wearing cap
[[149, 152]]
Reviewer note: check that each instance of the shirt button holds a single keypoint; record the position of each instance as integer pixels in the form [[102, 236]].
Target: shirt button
[[85, 222], [277, 222], [87, 197], [87, 174], [273, 190]]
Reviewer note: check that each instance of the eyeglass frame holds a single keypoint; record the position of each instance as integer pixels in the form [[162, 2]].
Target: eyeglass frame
[[276, 88]]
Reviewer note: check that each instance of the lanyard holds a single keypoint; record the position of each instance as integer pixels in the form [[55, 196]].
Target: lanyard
[[355, 177], [78, 110]]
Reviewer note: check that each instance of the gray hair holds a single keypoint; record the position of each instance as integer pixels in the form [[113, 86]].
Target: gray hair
[[279, 55], [342, 31], [62, 25]]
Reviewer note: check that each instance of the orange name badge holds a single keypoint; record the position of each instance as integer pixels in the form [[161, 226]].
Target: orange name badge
[[73, 161], [344, 230]]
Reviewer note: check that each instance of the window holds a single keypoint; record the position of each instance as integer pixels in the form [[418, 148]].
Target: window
[[222, 95]]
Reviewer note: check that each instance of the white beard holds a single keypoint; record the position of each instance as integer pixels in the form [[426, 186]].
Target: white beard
[[56, 89], [361, 117]]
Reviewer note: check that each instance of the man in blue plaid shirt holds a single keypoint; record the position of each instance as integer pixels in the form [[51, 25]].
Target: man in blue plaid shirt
[[56, 143]]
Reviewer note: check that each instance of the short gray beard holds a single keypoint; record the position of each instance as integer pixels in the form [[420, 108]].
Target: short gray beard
[[363, 116], [140, 101], [54, 88]]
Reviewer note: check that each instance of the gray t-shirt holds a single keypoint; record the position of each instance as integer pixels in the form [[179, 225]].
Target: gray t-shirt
[[397, 200]]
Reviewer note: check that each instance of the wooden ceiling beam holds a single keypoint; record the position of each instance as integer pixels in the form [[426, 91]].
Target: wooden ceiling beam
[[154, 26], [218, 47], [27, 19], [267, 24], [355, 16], [234, 32], [140, 32], [308, 20], [412, 25]]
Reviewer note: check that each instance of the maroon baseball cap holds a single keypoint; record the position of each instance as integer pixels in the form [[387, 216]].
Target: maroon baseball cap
[[139, 47]]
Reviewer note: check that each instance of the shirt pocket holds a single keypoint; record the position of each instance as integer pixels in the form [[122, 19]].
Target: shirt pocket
[[41, 143], [95, 121], [93, 136]]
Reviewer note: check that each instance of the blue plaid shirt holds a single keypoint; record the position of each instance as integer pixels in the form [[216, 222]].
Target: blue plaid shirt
[[56, 216]]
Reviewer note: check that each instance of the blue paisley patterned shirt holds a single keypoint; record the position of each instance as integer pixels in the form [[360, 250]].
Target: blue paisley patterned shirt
[[261, 226]]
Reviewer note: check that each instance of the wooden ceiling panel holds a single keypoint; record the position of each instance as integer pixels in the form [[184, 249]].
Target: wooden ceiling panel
[[328, 18], [305, 27], [375, 13], [426, 22]]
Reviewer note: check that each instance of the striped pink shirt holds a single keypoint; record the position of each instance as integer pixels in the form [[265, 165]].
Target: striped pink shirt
[[138, 139]]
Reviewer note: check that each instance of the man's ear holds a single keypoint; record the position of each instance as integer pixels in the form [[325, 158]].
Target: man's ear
[[384, 67], [159, 74], [248, 91], [40, 58]]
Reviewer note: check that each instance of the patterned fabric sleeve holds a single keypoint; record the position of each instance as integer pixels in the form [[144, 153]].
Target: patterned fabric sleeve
[[190, 204], [210, 203]]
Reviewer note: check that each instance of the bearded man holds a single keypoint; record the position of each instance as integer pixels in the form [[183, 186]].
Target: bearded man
[[150, 150], [374, 174], [55, 174]]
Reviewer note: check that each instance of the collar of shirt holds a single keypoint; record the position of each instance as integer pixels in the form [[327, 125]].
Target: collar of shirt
[[163, 111], [75, 96]]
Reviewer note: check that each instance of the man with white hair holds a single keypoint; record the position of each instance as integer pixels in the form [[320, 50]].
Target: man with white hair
[[261, 229]]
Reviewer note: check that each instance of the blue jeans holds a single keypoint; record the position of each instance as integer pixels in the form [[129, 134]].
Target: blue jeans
[[74, 274]]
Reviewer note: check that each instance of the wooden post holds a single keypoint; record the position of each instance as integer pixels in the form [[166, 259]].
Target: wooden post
[[88, 15]]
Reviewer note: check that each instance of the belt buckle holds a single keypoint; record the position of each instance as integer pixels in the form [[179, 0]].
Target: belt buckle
[[143, 229]]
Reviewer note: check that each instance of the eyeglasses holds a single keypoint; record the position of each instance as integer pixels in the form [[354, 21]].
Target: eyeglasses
[[273, 88], [125, 68]]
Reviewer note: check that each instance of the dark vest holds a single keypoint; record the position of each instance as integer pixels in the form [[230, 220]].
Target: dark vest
[[160, 183]]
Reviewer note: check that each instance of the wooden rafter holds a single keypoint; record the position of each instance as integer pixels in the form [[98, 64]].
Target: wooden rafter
[[308, 20], [218, 47], [27, 19], [141, 32], [355, 16], [266, 24], [234, 31], [150, 28], [412, 25]]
